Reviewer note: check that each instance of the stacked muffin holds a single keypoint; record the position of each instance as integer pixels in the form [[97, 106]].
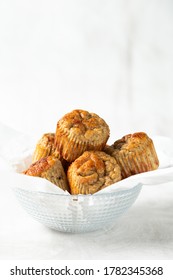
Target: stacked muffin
[[78, 159]]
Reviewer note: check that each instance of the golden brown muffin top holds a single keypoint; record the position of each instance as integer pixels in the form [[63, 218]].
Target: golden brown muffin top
[[47, 140], [45, 147], [131, 141], [86, 126], [40, 166], [93, 171]]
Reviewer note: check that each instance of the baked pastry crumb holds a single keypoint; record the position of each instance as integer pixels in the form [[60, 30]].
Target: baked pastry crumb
[[51, 169], [44, 147], [135, 153], [80, 131], [92, 171]]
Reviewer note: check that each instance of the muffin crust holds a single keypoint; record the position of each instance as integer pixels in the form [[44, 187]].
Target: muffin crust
[[92, 171], [44, 147], [51, 169], [79, 131], [135, 153]]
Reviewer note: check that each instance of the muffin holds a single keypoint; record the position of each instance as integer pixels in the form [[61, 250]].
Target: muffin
[[45, 147], [51, 169], [108, 149], [92, 171], [135, 153], [80, 131]]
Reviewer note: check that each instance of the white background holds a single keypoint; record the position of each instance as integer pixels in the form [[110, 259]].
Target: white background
[[114, 58]]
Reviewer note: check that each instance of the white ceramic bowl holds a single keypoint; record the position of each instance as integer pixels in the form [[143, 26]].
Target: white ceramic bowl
[[77, 213]]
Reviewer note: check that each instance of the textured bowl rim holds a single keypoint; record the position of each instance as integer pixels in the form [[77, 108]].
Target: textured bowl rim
[[138, 187]]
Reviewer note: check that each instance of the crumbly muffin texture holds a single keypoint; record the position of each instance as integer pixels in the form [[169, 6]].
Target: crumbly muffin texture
[[131, 141], [92, 171], [135, 153], [79, 131], [77, 158], [85, 126], [51, 169], [45, 147]]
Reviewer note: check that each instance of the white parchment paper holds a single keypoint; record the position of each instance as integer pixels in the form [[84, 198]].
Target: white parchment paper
[[16, 151]]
